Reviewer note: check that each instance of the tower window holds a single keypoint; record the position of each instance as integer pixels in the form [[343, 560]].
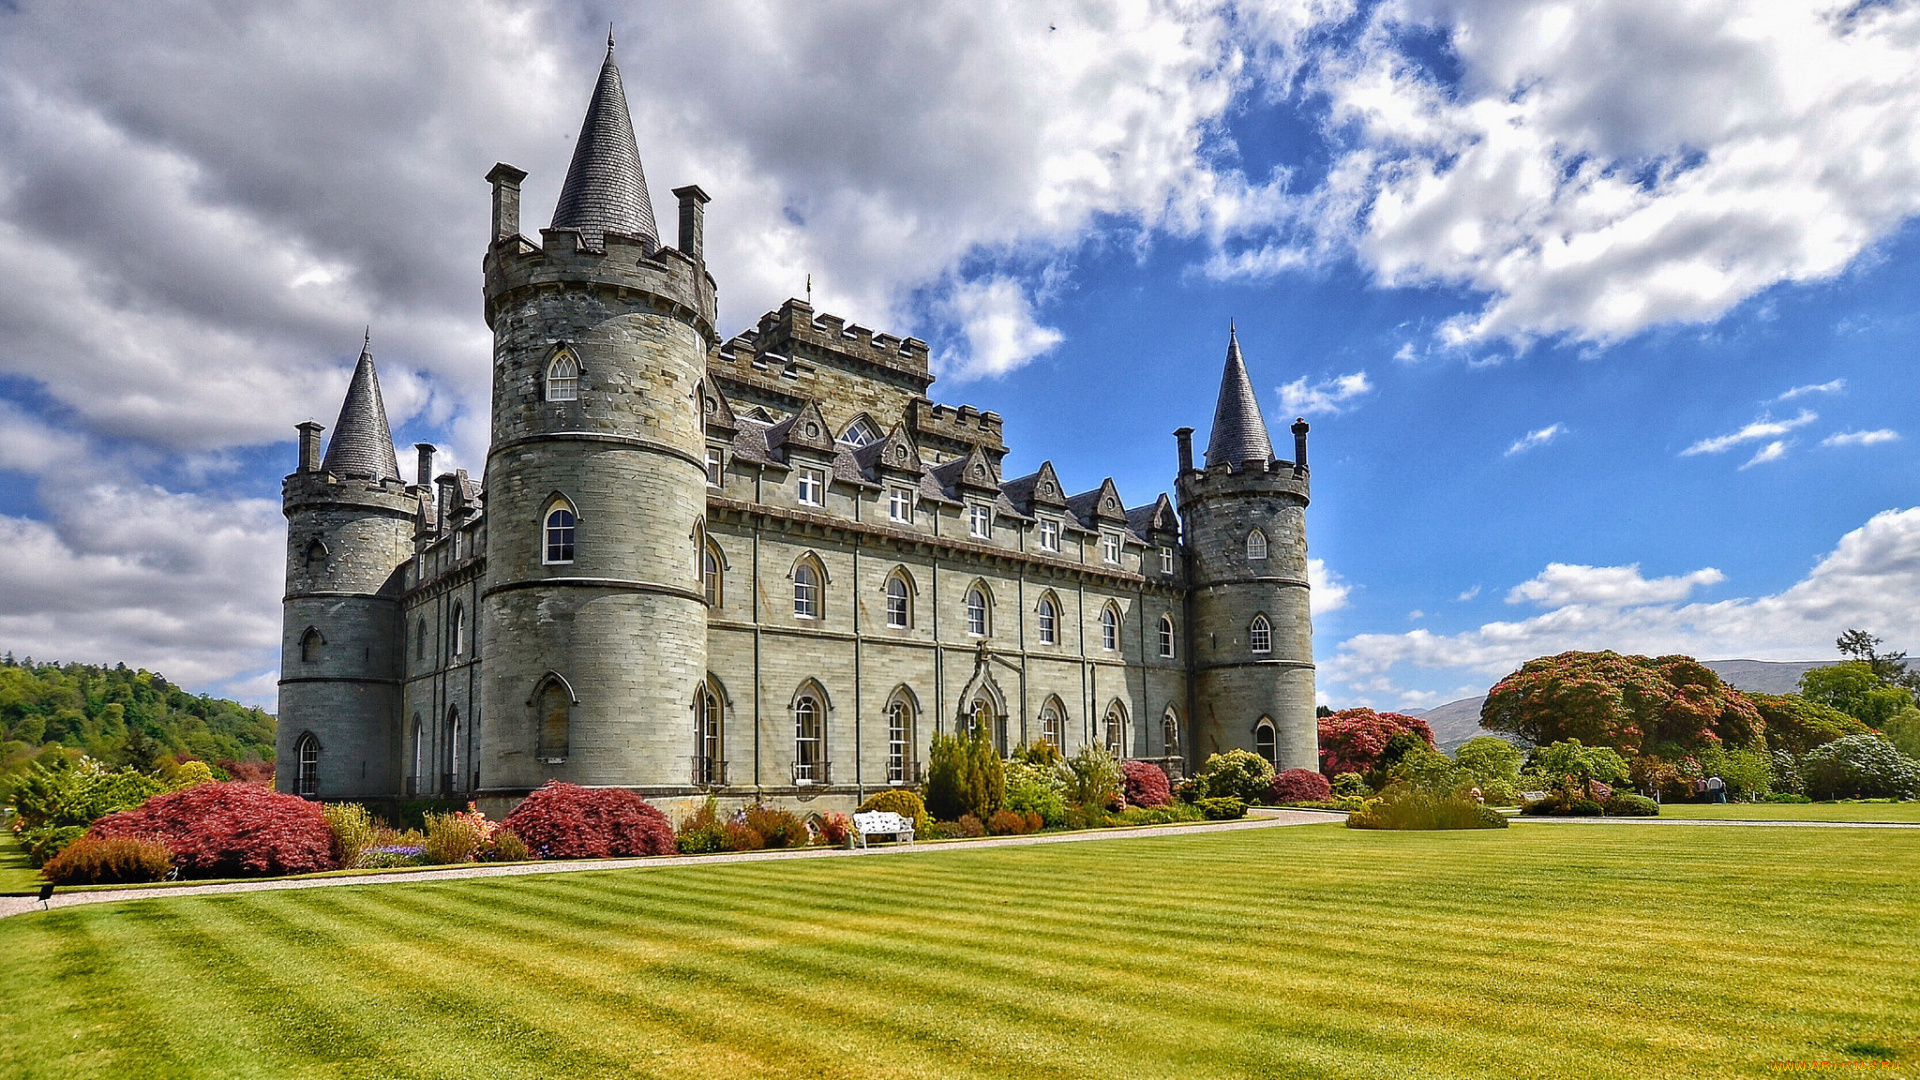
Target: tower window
[[708, 769], [806, 592], [306, 756], [899, 603], [1110, 548], [900, 505], [556, 720], [1166, 636], [563, 378], [980, 522], [977, 623], [420, 642], [457, 629], [1256, 546], [560, 523], [1109, 629], [1049, 535], [1166, 561], [1260, 635], [813, 486], [1049, 621], [310, 643], [1264, 741]]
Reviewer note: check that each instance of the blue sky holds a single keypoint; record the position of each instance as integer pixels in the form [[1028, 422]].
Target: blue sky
[[1602, 314]]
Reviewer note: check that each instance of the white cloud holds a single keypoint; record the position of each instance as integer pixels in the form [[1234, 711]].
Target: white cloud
[[1764, 428], [996, 319], [1325, 591], [1833, 387], [1561, 584], [1333, 395], [1861, 438], [1867, 580], [1467, 595], [1773, 451], [1534, 439]]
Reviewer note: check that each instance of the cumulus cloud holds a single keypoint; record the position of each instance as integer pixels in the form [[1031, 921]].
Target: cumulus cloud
[[1332, 395], [1467, 595], [1833, 387], [1325, 591], [1534, 439], [1561, 584], [1861, 438], [1868, 580], [996, 319], [1764, 428]]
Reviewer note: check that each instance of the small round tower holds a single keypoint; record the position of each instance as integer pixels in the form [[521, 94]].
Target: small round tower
[[349, 536], [595, 622], [1244, 516]]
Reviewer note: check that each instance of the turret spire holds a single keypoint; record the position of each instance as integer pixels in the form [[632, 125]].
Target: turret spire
[[362, 444], [1239, 434], [606, 189]]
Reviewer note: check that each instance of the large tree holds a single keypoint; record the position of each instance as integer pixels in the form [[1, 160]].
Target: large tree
[[1633, 704], [1356, 740], [1797, 724]]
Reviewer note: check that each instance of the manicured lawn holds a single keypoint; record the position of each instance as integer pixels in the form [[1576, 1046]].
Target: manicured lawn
[[1900, 811], [1318, 951], [15, 875]]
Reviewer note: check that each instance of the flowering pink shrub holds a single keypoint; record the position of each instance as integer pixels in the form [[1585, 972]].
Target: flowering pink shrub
[[229, 830], [1146, 784], [567, 821], [1298, 785], [1352, 740]]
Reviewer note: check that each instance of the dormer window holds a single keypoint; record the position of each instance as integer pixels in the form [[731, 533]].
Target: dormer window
[[813, 487], [563, 378], [1049, 535], [980, 522], [1110, 548]]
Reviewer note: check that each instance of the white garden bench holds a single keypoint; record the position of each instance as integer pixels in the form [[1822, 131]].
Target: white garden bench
[[882, 823]]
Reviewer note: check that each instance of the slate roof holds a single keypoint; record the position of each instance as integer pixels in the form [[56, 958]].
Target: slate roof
[[362, 444], [1239, 435], [606, 190]]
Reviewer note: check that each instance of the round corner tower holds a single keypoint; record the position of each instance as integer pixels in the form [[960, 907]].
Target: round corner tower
[[595, 622], [349, 538], [1244, 516]]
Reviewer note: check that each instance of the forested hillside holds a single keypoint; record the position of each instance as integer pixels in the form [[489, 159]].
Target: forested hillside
[[120, 716]]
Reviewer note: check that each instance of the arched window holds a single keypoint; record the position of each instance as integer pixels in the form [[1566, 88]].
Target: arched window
[[1260, 635], [555, 703], [1166, 636], [1053, 724], [306, 757], [859, 433], [710, 582], [809, 759], [563, 377], [560, 523], [1263, 740], [457, 630], [984, 717], [316, 556], [806, 591], [899, 601], [1109, 628], [1116, 731], [900, 740], [1049, 621], [420, 642], [708, 769], [978, 612], [419, 755], [1170, 732], [310, 643], [1256, 546], [451, 737]]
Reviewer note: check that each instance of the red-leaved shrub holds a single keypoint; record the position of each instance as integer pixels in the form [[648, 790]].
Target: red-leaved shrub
[[969, 826], [567, 821], [249, 772], [1298, 785], [833, 829], [1352, 740], [1007, 823], [120, 861], [1146, 784], [229, 830]]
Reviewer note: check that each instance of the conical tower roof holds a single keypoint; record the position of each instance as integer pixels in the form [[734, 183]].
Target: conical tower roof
[[606, 190], [1239, 435], [362, 444]]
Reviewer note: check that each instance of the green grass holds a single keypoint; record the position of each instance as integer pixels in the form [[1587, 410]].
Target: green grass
[[1843, 811], [1316, 951], [16, 876]]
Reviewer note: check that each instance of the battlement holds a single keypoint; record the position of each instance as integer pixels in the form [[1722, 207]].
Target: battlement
[[795, 328], [963, 424], [675, 280], [323, 490], [1279, 477]]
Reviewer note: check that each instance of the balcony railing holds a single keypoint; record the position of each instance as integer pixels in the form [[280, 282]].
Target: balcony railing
[[709, 772], [907, 774], [812, 772]]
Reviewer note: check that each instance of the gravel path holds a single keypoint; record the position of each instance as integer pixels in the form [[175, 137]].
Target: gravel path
[[1259, 819]]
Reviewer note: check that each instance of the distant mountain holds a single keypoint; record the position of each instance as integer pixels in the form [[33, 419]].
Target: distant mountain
[[1457, 721]]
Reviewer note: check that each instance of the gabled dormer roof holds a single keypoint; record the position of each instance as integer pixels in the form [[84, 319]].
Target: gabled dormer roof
[[606, 190], [719, 414], [893, 453], [1038, 488], [973, 472], [1239, 434], [805, 429], [1155, 517], [1101, 504], [362, 444]]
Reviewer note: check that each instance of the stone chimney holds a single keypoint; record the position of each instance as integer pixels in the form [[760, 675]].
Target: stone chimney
[[1184, 436], [506, 203], [1299, 444], [423, 465], [309, 445], [693, 221]]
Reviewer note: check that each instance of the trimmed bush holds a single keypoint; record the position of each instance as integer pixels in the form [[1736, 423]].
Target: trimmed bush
[[779, 828], [740, 838], [1298, 785], [1626, 804], [1351, 783], [1226, 808], [567, 821], [230, 830], [964, 775], [969, 826], [902, 802], [120, 861], [702, 832], [1007, 823], [1236, 774], [1039, 801], [1403, 808], [1859, 767], [1146, 784], [1161, 815]]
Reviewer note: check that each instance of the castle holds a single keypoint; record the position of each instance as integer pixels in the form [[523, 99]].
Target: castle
[[764, 567]]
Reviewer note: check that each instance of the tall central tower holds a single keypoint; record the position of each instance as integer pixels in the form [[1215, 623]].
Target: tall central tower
[[595, 624]]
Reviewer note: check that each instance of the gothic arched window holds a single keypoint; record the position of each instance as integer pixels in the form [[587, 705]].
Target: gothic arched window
[[899, 601], [710, 582], [1166, 636], [563, 377], [1263, 740], [1049, 621], [1109, 628], [708, 769], [1053, 725], [1256, 546], [310, 643], [900, 740], [979, 613], [457, 630], [555, 703], [806, 591], [809, 758], [560, 525], [1260, 635], [1116, 731], [306, 758]]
